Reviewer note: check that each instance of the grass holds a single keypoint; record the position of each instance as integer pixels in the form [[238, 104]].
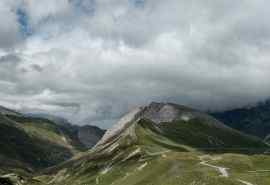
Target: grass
[[198, 134], [173, 169]]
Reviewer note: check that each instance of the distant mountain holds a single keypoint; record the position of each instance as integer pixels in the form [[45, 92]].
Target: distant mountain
[[165, 143], [88, 135], [56, 119], [251, 120], [6, 111], [28, 143]]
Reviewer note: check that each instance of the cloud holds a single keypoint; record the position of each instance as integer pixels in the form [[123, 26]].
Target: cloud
[[91, 61], [9, 28], [9, 58]]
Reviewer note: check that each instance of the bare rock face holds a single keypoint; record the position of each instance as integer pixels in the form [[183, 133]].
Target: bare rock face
[[166, 112], [122, 124]]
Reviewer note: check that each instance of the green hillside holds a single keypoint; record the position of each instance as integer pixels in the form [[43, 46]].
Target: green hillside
[[32, 143], [212, 138]]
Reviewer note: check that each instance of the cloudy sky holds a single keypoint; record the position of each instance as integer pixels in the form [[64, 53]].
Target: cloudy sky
[[93, 60]]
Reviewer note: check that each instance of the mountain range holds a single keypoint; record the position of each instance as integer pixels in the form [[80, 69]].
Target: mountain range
[[162, 143], [253, 120]]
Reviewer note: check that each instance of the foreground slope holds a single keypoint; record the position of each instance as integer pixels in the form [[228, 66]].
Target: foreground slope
[[166, 144]]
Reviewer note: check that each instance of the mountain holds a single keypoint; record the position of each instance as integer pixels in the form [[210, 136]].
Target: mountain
[[186, 126], [165, 143], [88, 135], [30, 143], [253, 120]]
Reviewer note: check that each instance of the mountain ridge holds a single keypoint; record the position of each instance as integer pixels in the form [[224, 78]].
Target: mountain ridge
[[253, 120]]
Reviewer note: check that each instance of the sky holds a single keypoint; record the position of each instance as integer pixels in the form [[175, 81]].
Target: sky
[[93, 60]]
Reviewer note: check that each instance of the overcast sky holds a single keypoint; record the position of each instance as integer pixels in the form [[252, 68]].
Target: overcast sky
[[96, 59]]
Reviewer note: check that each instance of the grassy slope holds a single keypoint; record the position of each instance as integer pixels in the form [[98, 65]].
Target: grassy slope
[[31, 143], [200, 135], [150, 158]]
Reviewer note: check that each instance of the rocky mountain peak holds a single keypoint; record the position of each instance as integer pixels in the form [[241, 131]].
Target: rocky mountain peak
[[156, 112]]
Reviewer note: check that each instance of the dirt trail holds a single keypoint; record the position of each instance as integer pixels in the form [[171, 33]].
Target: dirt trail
[[223, 171]]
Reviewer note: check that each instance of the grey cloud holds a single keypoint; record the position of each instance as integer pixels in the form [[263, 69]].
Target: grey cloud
[[37, 68], [10, 58], [9, 28]]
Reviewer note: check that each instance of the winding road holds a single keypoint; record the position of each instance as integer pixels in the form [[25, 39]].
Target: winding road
[[223, 171]]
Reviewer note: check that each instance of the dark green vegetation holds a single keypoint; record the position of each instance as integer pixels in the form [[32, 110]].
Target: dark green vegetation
[[29, 143], [253, 120], [34, 143], [211, 138]]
